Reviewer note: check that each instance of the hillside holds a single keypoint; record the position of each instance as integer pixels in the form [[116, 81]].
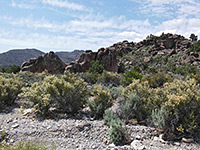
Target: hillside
[[68, 57], [18, 56], [165, 53]]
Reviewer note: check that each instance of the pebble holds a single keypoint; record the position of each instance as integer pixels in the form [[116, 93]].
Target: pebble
[[156, 138], [15, 126], [136, 144], [111, 145], [187, 140], [138, 137], [27, 112], [177, 143], [11, 141]]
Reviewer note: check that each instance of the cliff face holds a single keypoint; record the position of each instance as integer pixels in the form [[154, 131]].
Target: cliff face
[[106, 57]]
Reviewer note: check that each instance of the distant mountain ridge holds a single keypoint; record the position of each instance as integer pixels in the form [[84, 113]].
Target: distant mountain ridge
[[18, 56]]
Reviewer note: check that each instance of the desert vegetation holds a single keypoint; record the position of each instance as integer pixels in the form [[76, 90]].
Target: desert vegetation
[[165, 96]]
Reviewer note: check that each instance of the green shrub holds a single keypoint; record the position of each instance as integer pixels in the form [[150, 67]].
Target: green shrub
[[195, 47], [118, 132], [96, 67], [186, 69], [10, 69], [88, 77], [109, 116], [115, 91], [159, 117], [138, 95], [3, 135], [9, 89], [109, 78], [158, 79], [132, 108], [130, 75], [24, 146], [173, 107], [100, 101], [65, 93]]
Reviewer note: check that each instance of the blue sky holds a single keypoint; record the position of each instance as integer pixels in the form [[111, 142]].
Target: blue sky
[[65, 25]]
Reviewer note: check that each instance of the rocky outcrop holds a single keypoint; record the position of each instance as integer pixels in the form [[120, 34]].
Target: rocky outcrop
[[106, 57], [49, 61]]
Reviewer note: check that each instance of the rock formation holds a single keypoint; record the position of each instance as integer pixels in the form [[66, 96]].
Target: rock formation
[[49, 61], [107, 57]]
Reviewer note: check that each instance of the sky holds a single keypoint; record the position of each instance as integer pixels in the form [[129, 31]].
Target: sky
[[66, 25]]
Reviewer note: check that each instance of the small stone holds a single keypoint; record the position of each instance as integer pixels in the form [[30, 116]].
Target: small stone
[[15, 126], [111, 145], [27, 112], [138, 137], [161, 136], [137, 145], [156, 138], [86, 135], [187, 140], [11, 141], [86, 128], [177, 143], [10, 120], [94, 146]]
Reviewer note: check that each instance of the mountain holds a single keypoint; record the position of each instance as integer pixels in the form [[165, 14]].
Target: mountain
[[68, 57], [18, 56]]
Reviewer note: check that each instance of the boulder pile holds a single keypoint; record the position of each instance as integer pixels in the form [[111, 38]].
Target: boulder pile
[[49, 61], [106, 57]]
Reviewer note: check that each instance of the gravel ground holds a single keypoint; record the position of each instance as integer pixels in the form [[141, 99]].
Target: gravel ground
[[80, 132]]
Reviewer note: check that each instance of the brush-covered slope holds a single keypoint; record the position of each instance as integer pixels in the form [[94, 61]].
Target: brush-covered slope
[[166, 53]]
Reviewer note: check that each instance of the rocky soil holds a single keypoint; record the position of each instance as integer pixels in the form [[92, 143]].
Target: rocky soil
[[80, 132]]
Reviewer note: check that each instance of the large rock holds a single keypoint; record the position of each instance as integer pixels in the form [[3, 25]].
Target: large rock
[[106, 57], [49, 61]]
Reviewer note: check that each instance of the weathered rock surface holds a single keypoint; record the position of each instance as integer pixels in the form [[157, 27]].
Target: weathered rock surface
[[49, 61], [106, 57]]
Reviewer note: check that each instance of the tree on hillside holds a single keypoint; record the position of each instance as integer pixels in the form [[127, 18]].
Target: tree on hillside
[[193, 37]]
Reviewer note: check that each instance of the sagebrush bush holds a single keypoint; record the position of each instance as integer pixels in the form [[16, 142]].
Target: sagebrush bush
[[9, 89], [28, 78], [158, 79], [65, 93], [144, 99], [100, 101], [88, 77], [115, 91], [117, 132], [109, 116], [173, 107], [109, 78], [132, 108]]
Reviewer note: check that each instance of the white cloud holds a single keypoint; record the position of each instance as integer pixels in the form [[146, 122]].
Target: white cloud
[[21, 5], [64, 4], [183, 26], [170, 8]]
